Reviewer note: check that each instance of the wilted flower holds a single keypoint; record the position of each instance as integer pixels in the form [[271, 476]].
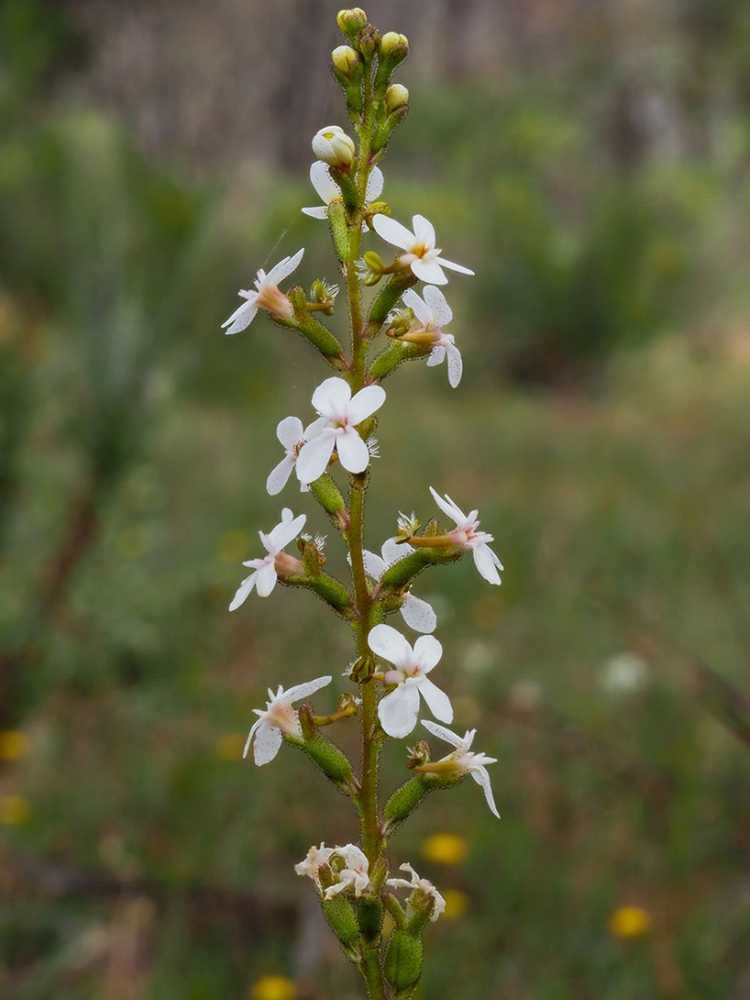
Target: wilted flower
[[421, 885], [355, 874]]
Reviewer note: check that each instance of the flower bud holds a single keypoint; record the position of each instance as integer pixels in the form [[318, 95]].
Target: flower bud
[[394, 47], [397, 96], [403, 962], [374, 262], [351, 20], [331, 761], [347, 63], [332, 145]]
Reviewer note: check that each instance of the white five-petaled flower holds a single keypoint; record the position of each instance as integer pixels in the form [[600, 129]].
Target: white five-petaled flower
[[420, 252], [314, 860], [417, 614], [421, 884], [398, 711], [265, 570], [466, 761], [433, 313], [339, 413], [279, 719], [328, 189], [292, 435], [266, 295], [355, 873], [467, 535]]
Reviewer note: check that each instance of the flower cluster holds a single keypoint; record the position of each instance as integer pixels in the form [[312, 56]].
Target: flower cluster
[[329, 454]]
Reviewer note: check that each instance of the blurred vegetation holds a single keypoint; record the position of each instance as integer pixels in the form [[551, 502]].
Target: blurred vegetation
[[139, 857]]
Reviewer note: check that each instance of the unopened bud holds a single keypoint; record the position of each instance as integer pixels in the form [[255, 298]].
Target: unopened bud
[[368, 41], [351, 20], [374, 262], [332, 145], [394, 47], [397, 96], [347, 63]]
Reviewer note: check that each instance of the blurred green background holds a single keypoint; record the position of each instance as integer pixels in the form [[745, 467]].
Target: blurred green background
[[590, 161]]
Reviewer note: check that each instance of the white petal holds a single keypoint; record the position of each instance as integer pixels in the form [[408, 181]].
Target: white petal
[[250, 735], [389, 644], [455, 366], [268, 740], [393, 232], [436, 357], [441, 311], [437, 700], [485, 564], [331, 397], [312, 430], [278, 477], [355, 858], [352, 451], [243, 592], [393, 551], [482, 778], [423, 230], [314, 456], [448, 507], [316, 211], [452, 266], [300, 691], [374, 565], [420, 308], [398, 711], [286, 531], [418, 614], [375, 184], [365, 402], [289, 431], [427, 652], [241, 318], [266, 580], [285, 267], [442, 733], [429, 270], [324, 184]]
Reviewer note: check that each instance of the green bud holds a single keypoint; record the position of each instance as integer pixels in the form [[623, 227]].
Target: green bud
[[368, 41], [397, 96], [400, 574], [403, 961], [405, 800], [342, 920], [328, 495], [351, 20], [394, 47], [370, 917], [331, 761], [374, 261], [395, 355], [347, 63]]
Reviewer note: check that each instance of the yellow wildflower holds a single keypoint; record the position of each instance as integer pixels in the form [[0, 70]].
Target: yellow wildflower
[[456, 903], [630, 922], [445, 849], [14, 810], [14, 743], [273, 988]]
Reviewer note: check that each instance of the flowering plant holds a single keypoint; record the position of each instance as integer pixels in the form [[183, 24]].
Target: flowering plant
[[354, 881]]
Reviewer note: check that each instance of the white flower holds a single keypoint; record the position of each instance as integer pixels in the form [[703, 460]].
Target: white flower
[[265, 296], [356, 872], [398, 711], [279, 719], [416, 613], [421, 254], [433, 313], [328, 189], [332, 145], [314, 860], [265, 570], [340, 412], [468, 537], [422, 884], [292, 436], [467, 762]]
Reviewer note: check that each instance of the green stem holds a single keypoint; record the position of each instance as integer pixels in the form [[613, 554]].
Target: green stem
[[372, 974]]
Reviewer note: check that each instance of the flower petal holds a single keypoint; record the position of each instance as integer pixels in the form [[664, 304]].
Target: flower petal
[[375, 184], [427, 652], [429, 270], [442, 733], [365, 402], [386, 642], [424, 230], [266, 580], [289, 431], [393, 232], [241, 318], [485, 564], [420, 308], [482, 778], [325, 186], [243, 592], [313, 429], [314, 456], [286, 531], [418, 614], [436, 357], [398, 711], [284, 268], [332, 397], [300, 691], [374, 565], [452, 266], [441, 311], [278, 477], [448, 507], [352, 451], [316, 211], [268, 740], [455, 366], [438, 701], [393, 551]]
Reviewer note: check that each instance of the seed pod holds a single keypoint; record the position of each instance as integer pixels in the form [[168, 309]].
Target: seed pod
[[343, 922], [405, 800], [403, 961], [331, 761]]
